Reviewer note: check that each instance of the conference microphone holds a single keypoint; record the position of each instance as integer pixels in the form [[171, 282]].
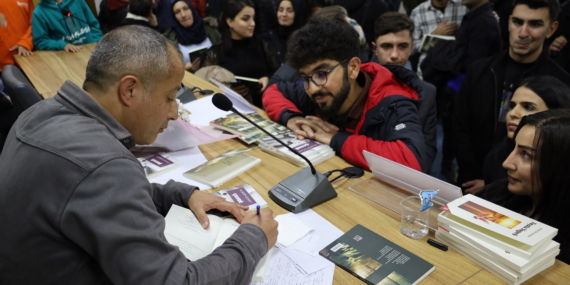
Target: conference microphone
[[300, 191]]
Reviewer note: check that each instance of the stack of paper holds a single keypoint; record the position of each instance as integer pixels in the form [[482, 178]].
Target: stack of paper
[[510, 245]]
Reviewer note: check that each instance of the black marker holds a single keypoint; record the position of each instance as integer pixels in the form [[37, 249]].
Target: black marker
[[437, 244]]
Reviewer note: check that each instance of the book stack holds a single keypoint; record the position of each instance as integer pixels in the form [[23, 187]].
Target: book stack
[[314, 151], [511, 246]]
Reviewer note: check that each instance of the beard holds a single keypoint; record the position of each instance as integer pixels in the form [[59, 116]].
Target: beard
[[328, 111]]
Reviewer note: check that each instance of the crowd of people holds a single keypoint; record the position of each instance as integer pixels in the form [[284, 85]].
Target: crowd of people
[[356, 75]]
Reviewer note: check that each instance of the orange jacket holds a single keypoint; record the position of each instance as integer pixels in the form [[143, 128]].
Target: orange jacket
[[18, 15]]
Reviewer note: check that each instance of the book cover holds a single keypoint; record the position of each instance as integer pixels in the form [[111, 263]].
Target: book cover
[[499, 220], [158, 163], [313, 150], [376, 260], [222, 168], [244, 195], [430, 41], [249, 133]]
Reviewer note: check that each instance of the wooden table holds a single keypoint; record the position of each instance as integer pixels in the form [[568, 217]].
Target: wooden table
[[48, 70]]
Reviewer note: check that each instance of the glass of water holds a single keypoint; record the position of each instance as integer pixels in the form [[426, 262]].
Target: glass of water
[[414, 223]]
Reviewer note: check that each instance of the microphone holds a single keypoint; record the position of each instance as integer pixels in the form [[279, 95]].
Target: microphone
[[298, 192], [222, 102]]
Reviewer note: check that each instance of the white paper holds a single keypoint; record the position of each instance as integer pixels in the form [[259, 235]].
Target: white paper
[[239, 102], [307, 260], [308, 244], [203, 111], [283, 271], [191, 158], [291, 229]]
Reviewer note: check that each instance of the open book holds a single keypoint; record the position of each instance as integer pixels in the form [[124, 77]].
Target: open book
[[430, 41], [184, 230]]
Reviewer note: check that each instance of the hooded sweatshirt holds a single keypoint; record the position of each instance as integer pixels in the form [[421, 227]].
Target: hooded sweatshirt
[[55, 25], [18, 15]]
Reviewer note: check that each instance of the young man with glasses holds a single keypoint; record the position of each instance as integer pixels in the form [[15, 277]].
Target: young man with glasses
[[349, 106]]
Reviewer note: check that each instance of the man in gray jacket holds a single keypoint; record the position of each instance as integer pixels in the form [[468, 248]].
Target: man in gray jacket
[[75, 205]]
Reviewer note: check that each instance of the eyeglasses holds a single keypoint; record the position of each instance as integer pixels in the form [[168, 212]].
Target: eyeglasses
[[319, 78]]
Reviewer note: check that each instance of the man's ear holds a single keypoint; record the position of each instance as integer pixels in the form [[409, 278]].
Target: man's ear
[[552, 29], [353, 67], [129, 87], [373, 45]]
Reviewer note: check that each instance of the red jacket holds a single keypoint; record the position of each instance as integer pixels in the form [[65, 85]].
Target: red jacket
[[18, 15], [389, 123]]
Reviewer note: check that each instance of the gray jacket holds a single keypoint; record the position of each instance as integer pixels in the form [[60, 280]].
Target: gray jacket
[[76, 207]]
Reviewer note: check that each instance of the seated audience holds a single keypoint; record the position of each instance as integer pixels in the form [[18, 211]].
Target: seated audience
[[241, 51], [436, 17], [64, 25], [140, 13], [291, 15], [537, 170], [393, 45], [111, 14], [15, 30], [348, 105], [482, 103], [90, 215], [189, 31], [535, 94]]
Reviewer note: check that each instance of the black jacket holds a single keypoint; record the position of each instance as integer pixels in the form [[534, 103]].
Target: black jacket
[[476, 127], [478, 37]]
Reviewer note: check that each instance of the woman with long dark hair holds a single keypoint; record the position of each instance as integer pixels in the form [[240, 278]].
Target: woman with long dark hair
[[534, 94], [291, 15], [538, 184], [241, 51]]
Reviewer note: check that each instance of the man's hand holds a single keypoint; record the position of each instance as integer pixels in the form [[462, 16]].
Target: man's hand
[[3, 23], [266, 222], [473, 186], [445, 28], [22, 51], [200, 202], [557, 45], [263, 81], [72, 48], [306, 127]]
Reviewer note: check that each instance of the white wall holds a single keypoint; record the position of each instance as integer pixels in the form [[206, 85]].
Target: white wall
[[97, 3]]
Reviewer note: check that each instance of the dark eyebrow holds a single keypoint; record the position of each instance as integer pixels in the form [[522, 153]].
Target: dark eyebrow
[[526, 147], [323, 65], [539, 21]]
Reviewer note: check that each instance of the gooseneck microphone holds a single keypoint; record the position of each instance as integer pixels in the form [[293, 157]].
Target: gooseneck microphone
[[298, 192], [223, 103]]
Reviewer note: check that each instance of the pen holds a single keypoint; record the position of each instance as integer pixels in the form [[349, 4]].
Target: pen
[[258, 207]]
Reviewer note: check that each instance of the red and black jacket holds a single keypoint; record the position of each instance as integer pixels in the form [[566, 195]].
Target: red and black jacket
[[389, 123]]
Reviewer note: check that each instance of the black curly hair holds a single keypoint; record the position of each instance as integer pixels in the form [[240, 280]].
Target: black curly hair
[[323, 39]]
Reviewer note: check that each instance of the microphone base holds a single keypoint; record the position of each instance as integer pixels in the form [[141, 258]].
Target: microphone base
[[302, 191]]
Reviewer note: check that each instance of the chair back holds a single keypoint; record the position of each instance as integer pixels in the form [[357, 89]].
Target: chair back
[[19, 88]]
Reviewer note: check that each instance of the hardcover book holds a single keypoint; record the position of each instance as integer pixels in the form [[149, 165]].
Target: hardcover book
[[222, 168], [247, 132], [244, 195], [376, 260], [184, 230], [498, 222]]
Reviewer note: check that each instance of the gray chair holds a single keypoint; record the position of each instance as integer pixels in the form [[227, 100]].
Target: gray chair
[[18, 87]]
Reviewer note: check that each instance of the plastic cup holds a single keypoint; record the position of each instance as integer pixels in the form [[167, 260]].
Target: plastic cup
[[414, 223]]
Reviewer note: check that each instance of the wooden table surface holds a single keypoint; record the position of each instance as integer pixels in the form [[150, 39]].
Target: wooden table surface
[[47, 70]]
